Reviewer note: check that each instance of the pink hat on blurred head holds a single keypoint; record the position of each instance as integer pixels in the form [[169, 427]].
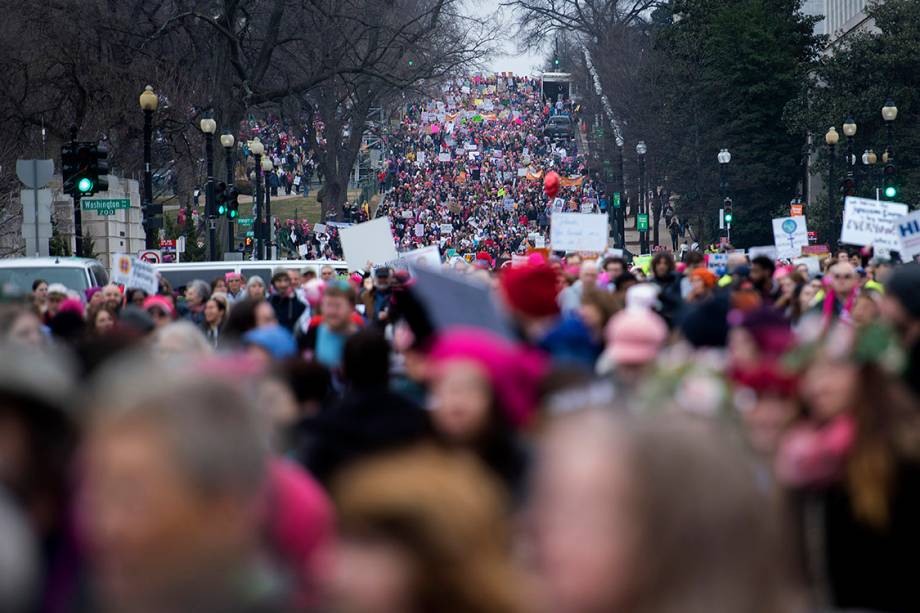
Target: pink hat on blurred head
[[635, 336], [232, 275], [160, 302]]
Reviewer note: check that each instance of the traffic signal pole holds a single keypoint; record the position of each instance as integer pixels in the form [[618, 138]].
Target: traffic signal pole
[[229, 158], [77, 213]]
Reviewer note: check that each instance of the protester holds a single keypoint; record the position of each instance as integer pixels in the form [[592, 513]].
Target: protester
[[325, 339], [255, 288], [215, 317], [288, 308]]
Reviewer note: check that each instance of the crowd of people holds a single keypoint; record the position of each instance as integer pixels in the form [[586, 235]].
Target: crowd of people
[[567, 432]]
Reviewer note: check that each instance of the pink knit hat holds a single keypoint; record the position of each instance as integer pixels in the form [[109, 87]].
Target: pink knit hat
[[513, 370], [635, 336]]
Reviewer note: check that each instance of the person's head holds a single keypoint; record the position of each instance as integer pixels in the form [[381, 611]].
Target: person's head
[[307, 275], [366, 360], [614, 266], [264, 315], [219, 284], [172, 484], [215, 311], [383, 277], [788, 284], [480, 384], [136, 297], [338, 305], [422, 530], [587, 274], [695, 259], [762, 269], [617, 503], [102, 321], [255, 288], [180, 339], [281, 282], [702, 281], [843, 279], [197, 293], [866, 307], [40, 290], [597, 307], [96, 299], [112, 295], [20, 326], [327, 273], [843, 256], [802, 269], [634, 337], [900, 307], [234, 282], [662, 264], [161, 309], [296, 279]]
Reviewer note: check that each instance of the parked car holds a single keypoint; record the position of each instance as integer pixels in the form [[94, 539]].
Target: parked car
[[180, 274], [559, 126], [17, 274]]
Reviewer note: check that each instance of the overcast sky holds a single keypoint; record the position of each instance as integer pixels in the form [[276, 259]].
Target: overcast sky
[[510, 60]]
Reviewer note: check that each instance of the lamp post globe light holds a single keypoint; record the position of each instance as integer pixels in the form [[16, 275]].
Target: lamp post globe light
[[257, 149], [148, 102], [227, 141], [269, 227], [209, 127]]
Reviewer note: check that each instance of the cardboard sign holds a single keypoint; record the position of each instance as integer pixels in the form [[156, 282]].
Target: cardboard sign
[[447, 228], [134, 273], [790, 234], [908, 233], [371, 241], [578, 232], [766, 250], [871, 222]]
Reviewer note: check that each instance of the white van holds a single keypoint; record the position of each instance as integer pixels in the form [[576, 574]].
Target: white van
[[79, 274], [180, 274]]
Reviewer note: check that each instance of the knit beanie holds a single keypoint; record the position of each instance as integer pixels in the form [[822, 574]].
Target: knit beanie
[[531, 290]]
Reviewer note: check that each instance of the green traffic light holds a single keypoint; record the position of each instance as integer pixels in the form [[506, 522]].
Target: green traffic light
[[233, 214], [728, 218], [891, 191], [221, 210], [84, 185]]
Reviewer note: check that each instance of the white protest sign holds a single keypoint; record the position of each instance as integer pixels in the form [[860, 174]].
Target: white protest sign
[[717, 262], [766, 251], [907, 229], [420, 230], [444, 156], [303, 250], [578, 232], [143, 277], [371, 241], [319, 228], [121, 268], [447, 228], [470, 147], [420, 157], [812, 264], [558, 205], [871, 222], [429, 257], [508, 203], [790, 234]]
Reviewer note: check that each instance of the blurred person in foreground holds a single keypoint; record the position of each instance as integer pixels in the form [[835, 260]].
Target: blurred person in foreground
[[173, 495], [852, 465], [627, 518], [900, 308], [423, 531]]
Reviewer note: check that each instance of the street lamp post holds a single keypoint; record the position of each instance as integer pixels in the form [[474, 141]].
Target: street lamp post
[[267, 167], [227, 141], [621, 214], [149, 103], [831, 138], [209, 127], [641, 150], [257, 149], [889, 114], [724, 157]]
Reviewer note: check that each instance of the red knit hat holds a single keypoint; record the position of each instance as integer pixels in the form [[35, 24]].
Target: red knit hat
[[531, 290]]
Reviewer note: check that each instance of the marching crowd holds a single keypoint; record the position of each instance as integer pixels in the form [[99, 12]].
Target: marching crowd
[[563, 433]]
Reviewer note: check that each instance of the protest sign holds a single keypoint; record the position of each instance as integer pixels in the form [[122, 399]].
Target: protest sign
[[134, 273], [446, 228], [717, 262], [420, 230], [766, 251], [319, 228], [508, 203], [519, 261], [578, 232], [790, 234], [558, 205], [429, 257], [371, 241], [420, 157], [444, 156], [871, 222], [908, 233]]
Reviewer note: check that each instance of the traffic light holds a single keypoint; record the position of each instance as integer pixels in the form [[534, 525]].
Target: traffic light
[[69, 166], [220, 198], [727, 206], [556, 62], [99, 168], [77, 167], [233, 203], [890, 181]]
